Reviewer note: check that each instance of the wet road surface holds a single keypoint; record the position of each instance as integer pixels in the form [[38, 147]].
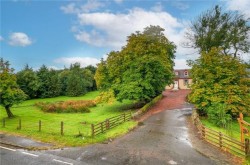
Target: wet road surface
[[162, 139]]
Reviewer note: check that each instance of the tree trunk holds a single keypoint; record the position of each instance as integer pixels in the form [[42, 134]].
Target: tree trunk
[[9, 113]]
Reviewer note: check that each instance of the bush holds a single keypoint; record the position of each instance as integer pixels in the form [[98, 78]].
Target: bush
[[106, 97], [151, 103], [67, 106], [217, 115]]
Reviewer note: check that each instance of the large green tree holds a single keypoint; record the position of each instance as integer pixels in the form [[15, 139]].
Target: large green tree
[[10, 93], [215, 28], [142, 69], [50, 82], [28, 81], [219, 79], [79, 80]]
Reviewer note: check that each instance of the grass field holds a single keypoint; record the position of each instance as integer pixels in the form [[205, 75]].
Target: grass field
[[73, 122]]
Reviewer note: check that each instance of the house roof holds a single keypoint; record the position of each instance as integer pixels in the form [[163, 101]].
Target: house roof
[[182, 73]]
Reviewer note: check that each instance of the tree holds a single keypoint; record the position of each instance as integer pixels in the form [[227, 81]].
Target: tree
[[10, 93], [142, 69], [78, 81], [50, 83], [28, 81], [101, 76], [215, 28], [219, 78], [93, 71], [63, 76]]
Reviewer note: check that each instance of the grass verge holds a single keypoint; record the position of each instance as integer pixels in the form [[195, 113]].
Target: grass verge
[[76, 125]]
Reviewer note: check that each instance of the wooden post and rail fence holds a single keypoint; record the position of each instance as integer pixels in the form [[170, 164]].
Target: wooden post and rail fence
[[19, 125], [223, 141], [95, 128], [109, 123]]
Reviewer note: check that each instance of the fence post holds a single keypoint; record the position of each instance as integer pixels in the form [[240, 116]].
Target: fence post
[[19, 124], [203, 132], [102, 126], [40, 125], [61, 127], [107, 124], [124, 117], [93, 130], [247, 152], [3, 122], [220, 139]]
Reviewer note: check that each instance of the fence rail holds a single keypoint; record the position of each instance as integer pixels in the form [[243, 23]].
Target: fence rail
[[32, 126], [221, 140], [110, 123]]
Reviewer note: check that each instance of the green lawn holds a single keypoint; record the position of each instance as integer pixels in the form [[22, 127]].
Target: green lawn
[[233, 132], [73, 122]]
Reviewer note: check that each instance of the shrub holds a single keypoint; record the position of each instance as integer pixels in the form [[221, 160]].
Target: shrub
[[217, 115], [106, 97], [67, 106]]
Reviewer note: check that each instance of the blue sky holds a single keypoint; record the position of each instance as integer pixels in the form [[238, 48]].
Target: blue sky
[[57, 33]]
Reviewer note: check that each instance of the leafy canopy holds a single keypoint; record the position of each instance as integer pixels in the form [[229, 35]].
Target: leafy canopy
[[142, 69], [10, 93], [219, 78], [28, 81], [215, 28]]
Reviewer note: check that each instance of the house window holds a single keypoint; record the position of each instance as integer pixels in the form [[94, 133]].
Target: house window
[[176, 73], [186, 73], [185, 82]]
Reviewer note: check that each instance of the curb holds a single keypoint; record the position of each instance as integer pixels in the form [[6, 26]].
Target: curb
[[14, 145]]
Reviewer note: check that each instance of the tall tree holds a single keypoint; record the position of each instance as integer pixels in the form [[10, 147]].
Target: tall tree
[[50, 83], [219, 78], [142, 69], [10, 93], [28, 81], [215, 28], [78, 80]]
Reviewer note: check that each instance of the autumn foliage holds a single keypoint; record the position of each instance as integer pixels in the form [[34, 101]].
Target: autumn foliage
[[67, 106], [220, 78]]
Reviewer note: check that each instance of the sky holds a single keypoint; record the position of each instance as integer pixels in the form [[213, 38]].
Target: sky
[[57, 33]]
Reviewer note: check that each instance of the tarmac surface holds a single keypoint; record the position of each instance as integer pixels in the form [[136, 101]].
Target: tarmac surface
[[162, 139]]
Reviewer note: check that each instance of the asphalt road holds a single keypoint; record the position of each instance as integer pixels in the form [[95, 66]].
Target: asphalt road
[[12, 156], [163, 139]]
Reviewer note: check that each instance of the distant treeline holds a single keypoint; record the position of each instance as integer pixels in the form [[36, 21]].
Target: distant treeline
[[45, 82]]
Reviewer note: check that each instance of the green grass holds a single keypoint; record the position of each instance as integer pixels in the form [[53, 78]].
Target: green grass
[[234, 132], [73, 122]]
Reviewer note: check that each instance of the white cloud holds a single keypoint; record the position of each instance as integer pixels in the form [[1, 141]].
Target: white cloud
[[84, 61], [242, 6], [111, 30], [158, 7], [181, 64], [1, 38], [73, 8], [19, 39], [180, 5], [70, 9]]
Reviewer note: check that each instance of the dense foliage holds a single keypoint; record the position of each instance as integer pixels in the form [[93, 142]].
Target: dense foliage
[[142, 69], [28, 81], [10, 93], [67, 106], [215, 28], [219, 78], [45, 82]]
